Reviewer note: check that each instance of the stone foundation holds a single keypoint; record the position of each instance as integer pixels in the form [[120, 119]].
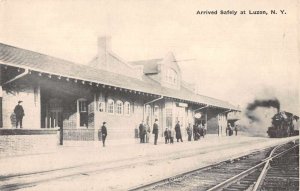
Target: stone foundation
[[14, 142]]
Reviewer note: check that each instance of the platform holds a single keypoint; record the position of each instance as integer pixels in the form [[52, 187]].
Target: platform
[[119, 167]]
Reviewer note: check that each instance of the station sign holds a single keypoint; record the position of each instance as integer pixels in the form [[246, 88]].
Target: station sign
[[197, 115], [182, 104]]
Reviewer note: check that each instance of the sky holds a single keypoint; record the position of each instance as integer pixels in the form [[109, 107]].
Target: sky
[[234, 58]]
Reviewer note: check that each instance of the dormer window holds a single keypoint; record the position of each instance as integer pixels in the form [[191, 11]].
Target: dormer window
[[171, 76]]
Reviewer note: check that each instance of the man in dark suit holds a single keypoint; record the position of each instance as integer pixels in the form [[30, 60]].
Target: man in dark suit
[[178, 132], [103, 133], [19, 111], [142, 132], [155, 131]]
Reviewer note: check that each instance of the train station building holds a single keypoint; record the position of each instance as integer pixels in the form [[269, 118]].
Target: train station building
[[76, 99]]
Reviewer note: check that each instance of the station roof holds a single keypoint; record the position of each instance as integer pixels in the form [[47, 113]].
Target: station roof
[[17, 57], [150, 66]]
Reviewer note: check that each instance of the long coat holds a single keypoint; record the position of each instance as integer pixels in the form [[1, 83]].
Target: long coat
[[142, 130], [155, 128], [177, 130]]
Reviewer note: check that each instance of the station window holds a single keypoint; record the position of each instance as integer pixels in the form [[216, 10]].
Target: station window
[[169, 117], [171, 76], [148, 114], [82, 105], [156, 112], [119, 107], [101, 106], [83, 112], [110, 106], [127, 108]]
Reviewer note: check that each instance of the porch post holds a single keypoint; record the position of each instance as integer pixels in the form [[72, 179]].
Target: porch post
[[1, 122], [220, 120], [206, 120], [96, 126]]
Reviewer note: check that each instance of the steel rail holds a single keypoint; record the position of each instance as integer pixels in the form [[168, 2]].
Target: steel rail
[[241, 175], [266, 168], [279, 154], [162, 181], [235, 178], [151, 184]]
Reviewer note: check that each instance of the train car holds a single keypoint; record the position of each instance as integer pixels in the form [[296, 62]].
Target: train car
[[283, 125]]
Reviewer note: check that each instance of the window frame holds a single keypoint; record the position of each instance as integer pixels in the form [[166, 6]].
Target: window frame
[[109, 107], [101, 106], [127, 109], [82, 104], [79, 111], [171, 76], [119, 107]]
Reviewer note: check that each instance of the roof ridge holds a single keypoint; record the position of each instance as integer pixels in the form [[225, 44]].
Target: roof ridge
[[40, 53], [153, 59], [64, 60]]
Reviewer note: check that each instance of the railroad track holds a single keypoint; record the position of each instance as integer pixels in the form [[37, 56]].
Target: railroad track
[[282, 173], [270, 169]]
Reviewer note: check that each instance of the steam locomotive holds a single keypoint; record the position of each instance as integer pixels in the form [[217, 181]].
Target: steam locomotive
[[283, 125]]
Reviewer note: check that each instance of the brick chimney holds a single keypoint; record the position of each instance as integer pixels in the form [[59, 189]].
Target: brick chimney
[[104, 46]]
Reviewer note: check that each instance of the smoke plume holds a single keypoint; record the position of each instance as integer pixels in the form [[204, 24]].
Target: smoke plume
[[258, 116], [264, 103]]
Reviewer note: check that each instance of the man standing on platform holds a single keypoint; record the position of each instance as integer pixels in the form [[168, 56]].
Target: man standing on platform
[[104, 133], [178, 132], [19, 112], [155, 131], [236, 129], [142, 132], [189, 131]]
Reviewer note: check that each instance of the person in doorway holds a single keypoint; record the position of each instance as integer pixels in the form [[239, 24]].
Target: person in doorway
[[155, 131], [19, 112], [104, 133], [189, 132], [142, 132], [178, 132], [166, 135]]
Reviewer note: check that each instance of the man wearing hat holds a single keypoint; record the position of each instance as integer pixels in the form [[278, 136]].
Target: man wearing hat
[[155, 131], [104, 133], [19, 112]]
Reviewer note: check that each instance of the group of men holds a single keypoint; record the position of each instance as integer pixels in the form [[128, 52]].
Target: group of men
[[144, 132], [199, 130], [230, 129], [169, 134]]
